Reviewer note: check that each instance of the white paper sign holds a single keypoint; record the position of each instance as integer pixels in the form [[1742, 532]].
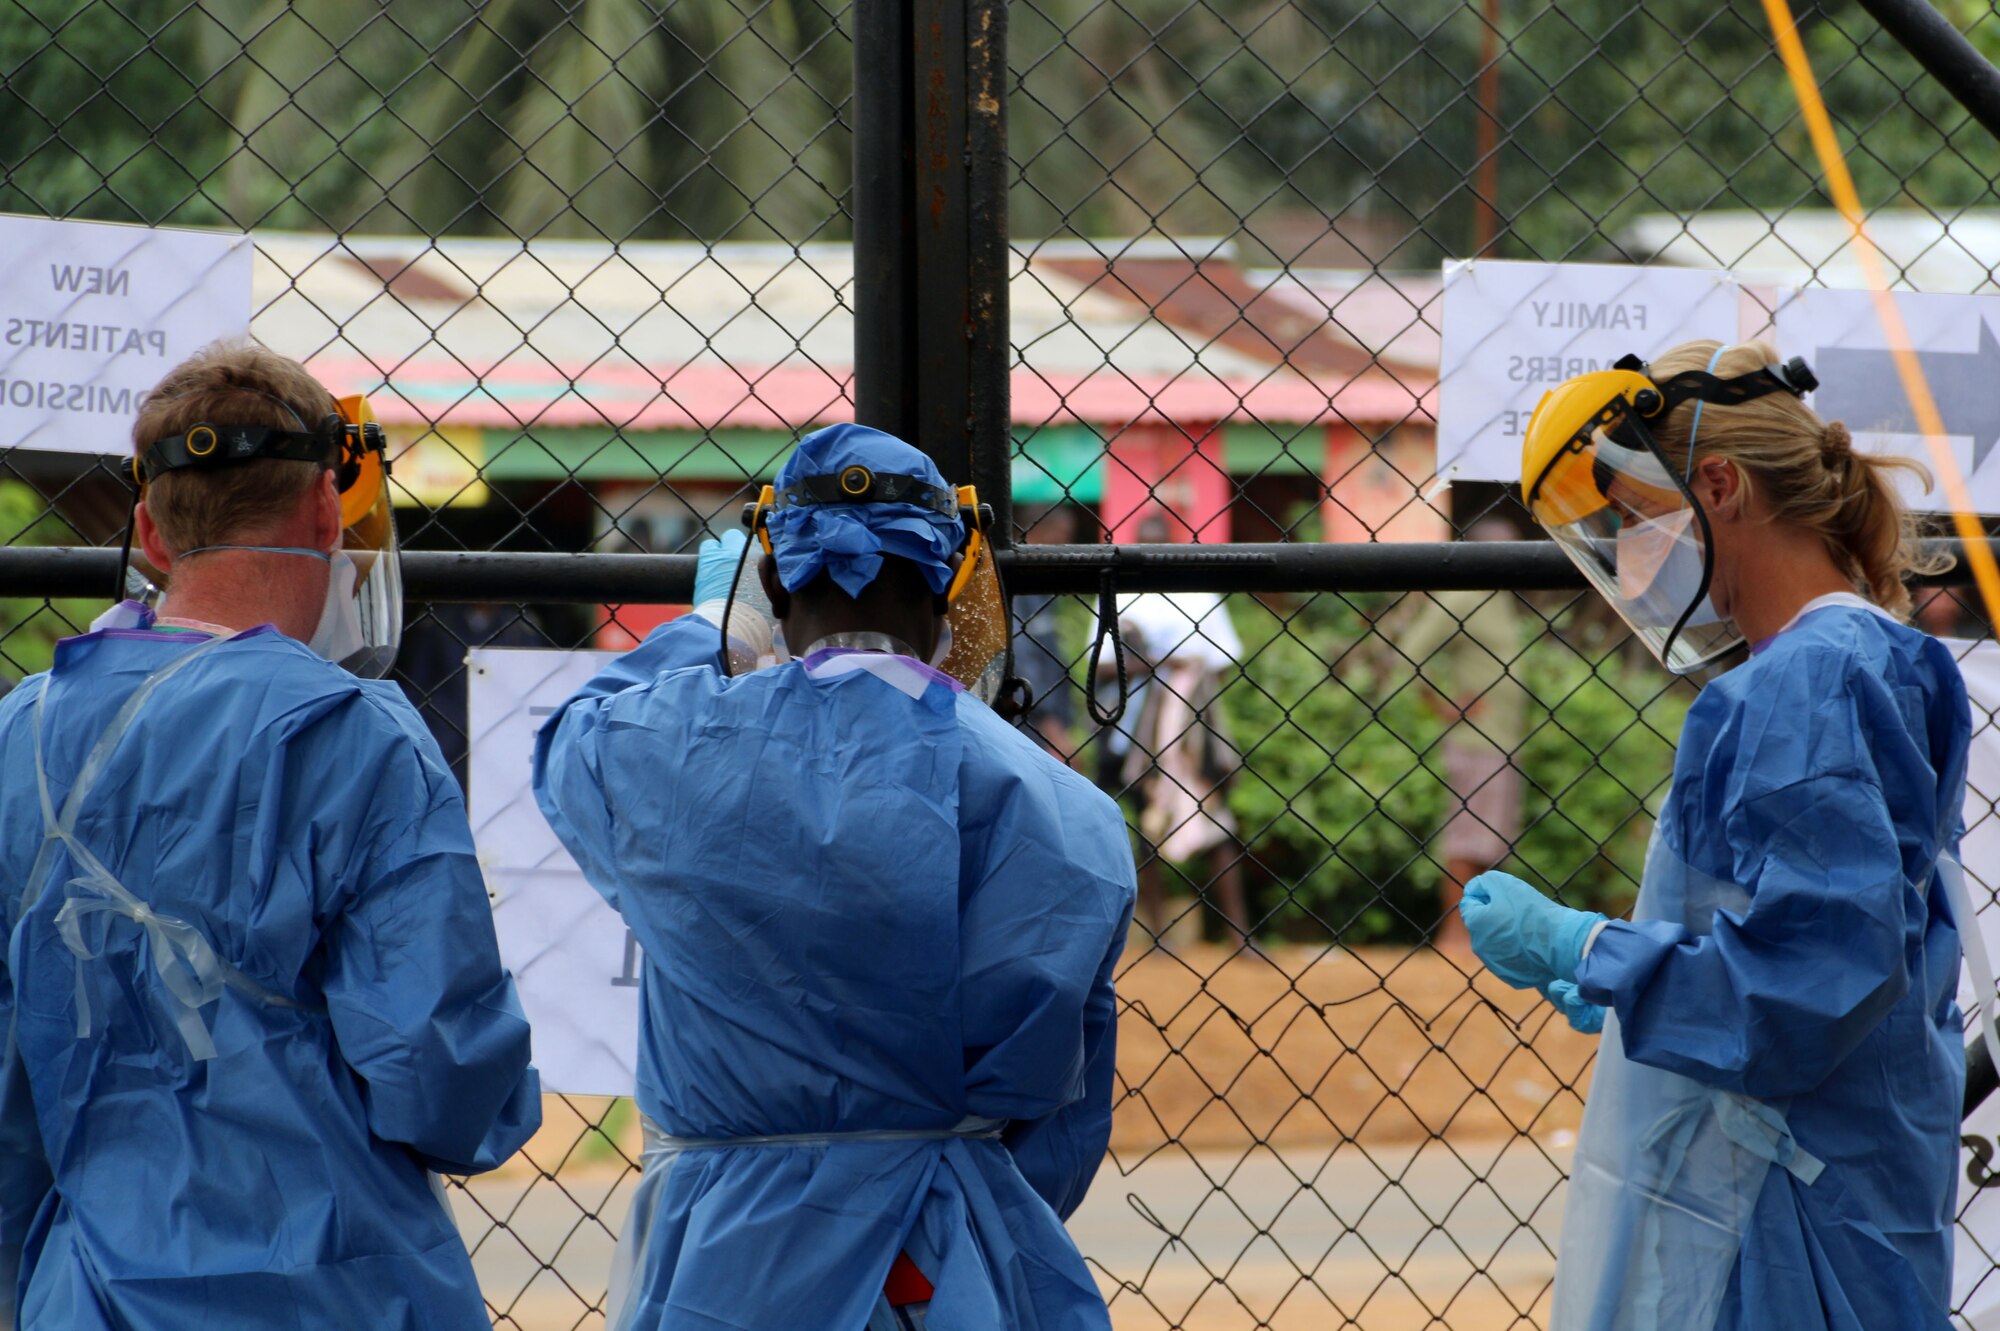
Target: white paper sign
[[575, 963], [1512, 331], [96, 314], [1840, 335]]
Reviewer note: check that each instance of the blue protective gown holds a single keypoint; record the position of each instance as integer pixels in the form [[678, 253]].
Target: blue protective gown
[[1825, 776], [302, 822], [862, 911]]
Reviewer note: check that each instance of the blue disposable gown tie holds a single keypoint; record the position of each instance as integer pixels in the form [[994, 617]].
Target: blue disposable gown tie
[[868, 906], [268, 1165], [1787, 987]]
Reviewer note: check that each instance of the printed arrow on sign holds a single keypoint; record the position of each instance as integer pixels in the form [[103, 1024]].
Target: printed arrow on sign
[[1861, 387]]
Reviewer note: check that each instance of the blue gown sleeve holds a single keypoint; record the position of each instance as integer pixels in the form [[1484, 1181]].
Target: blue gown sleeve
[[568, 775], [1043, 924], [1059, 1153], [1774, 1000], [25, 1178], [422, 1010], [675, 645]]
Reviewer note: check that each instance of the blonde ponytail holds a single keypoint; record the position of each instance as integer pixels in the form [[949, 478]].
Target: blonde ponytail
[[1808, 473]]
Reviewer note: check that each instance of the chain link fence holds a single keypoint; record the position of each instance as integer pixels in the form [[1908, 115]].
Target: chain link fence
[[595, 262]]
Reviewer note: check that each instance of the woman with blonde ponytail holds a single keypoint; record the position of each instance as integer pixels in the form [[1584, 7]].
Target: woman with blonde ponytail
[[1771, 1138], [1802, 480]]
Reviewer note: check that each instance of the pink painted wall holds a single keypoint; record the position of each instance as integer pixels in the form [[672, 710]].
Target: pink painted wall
[[1165, 469]]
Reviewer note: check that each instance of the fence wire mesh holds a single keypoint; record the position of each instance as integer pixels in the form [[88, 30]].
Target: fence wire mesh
[[591, 260]]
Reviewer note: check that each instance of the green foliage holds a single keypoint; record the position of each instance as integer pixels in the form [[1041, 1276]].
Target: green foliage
[[1282, 125], [1275, 125], [1338, 791], [1597, 763], [1343, 786], [535, 118], [101, 120], [29, 628]]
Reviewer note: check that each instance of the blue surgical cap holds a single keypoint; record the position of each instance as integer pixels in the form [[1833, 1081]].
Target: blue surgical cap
[[848, 540]]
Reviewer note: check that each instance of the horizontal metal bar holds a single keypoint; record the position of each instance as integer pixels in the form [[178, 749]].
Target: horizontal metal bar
[[1291, 567], [434, 575], [428, 575]]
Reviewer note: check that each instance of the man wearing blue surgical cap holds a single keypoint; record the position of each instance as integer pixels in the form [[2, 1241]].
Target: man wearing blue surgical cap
[[879, 926]]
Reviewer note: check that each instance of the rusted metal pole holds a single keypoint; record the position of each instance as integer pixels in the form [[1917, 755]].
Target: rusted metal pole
[[1486, 185]]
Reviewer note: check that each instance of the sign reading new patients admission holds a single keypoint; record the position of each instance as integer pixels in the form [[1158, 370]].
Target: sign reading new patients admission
[[1512, 331], [96, 314]]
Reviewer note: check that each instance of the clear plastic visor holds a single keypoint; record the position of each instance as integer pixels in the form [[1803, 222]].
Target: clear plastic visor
[[378, 590], [1640, 546], [978, 630]]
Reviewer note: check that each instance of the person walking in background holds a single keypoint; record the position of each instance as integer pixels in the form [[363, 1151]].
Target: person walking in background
[[1170, 755], [877, 1028], [1041, 657], [252, 998], [1771, 1139], [1463, 646]]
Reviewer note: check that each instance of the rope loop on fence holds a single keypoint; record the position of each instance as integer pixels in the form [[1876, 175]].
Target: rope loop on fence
[[1107, 627]]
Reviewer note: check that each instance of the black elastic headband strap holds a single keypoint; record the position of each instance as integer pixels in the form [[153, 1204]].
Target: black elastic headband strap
[[1794, 377], [1698, 385], [231, 445], [859, 485]]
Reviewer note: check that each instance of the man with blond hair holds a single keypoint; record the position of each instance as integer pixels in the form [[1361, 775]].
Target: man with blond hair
[[252, 1000]]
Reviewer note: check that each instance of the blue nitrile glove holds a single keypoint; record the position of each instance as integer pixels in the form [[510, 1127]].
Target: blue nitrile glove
[[715, 567], [1522, 936], [1583, 1014]]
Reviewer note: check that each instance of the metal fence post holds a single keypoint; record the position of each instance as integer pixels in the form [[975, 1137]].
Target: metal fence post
[[930, 233], [884, 249], [1945, 54]]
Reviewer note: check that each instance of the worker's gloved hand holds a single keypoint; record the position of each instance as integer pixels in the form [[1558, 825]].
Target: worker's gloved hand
[[715, 565], [1583, 1015], [1522, 936], [753, 631]]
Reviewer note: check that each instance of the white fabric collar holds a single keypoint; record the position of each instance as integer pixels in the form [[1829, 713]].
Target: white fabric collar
[[1850, 599], [899, 672]]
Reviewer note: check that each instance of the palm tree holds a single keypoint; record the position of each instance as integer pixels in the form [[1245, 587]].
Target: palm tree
[[600, 118]]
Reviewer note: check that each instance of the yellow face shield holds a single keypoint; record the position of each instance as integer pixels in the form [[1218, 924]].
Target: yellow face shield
[[1601, 486], [368, 535], [982, 643], [1594, 476]]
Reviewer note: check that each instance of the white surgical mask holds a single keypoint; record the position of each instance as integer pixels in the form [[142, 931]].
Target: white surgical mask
[[337, 636], [1659, 572]]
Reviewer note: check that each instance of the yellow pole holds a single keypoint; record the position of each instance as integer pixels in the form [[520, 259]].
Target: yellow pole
[[1820, 125]]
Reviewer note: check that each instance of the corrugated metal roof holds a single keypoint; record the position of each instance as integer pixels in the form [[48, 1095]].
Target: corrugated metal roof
[[1953, 252], [668, 335]]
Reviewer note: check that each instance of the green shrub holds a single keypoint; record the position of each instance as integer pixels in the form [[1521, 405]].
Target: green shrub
[[1342, 789], [29, 628], [1597, 763], [1341, 785]]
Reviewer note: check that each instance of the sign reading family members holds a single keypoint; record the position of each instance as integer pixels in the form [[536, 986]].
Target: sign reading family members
[[96, 314], [574, 962], [1957, 341], [1513, 331]]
